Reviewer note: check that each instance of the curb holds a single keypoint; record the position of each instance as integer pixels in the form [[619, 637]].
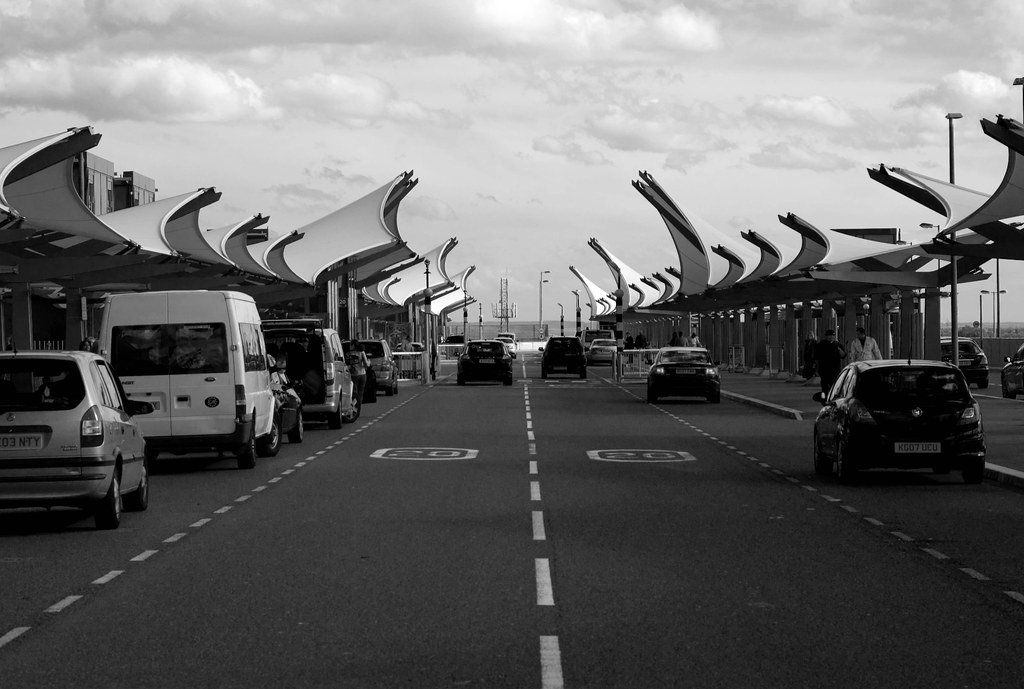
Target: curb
[[767, 406], [1010, 477]]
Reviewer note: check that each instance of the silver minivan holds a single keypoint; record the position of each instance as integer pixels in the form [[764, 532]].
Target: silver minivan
[[68, 436]]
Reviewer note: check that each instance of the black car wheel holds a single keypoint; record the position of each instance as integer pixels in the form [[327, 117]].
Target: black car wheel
[[583, 374], [461, 380], [651, 396], [982, 384], [1007, 394], [246, 457], [543, 372], [822, 465], [974, 470], [715, 398], [845, 470], [350, 416]]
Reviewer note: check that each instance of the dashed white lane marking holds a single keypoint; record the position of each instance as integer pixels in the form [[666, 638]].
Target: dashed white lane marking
[[535, 491], [18, 631], [810, 488], [222, 510], [530, 435], [321, 452], [274, 480], [175, 538], [829, 498], [974, 574], [533, 467], [201, 523], [299, 464], [242, 498], [545, 592], [144, 555], [259, 489], [902, 536], [61, 604], [873, 521], [286, 472], [532, 448], [792, 480], [850, 508], [538, 527], [550, 663], [528, 417], [1017, 596], [529, 424], [936, 554], [108, 577]]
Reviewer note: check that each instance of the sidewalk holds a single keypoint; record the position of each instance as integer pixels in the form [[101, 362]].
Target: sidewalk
[[792, 400]]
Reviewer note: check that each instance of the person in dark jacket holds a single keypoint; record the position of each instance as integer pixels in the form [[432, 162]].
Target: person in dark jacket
[[807, 369], [829, 355]]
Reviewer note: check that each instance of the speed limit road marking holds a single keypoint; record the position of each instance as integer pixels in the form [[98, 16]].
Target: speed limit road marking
[[640, 456], [425, 453]]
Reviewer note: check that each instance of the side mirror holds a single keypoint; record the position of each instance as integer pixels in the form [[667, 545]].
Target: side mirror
[[540, 349], [1007, 359], [819, 398], [513, 354], [135, 407]]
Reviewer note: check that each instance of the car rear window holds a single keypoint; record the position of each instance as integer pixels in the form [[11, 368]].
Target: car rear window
[[486, 348], [682, 357], [36, 384], [373, 349], [603, 343], [969, 348], [568, 344], [169, 349], [892, 388]]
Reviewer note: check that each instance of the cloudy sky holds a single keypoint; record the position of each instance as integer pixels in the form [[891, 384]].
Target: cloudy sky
[[525, 121]]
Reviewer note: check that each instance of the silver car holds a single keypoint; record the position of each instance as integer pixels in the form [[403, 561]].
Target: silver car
[[68, 436], [601, 352]]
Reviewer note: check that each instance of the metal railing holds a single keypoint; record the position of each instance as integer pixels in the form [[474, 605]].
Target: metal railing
[[449, 351], [48, 345], [737, 357], [634, 363], [410, 365]]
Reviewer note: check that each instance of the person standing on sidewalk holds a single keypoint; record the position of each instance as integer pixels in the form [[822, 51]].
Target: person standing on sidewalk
[[829, 355], [864, 348]]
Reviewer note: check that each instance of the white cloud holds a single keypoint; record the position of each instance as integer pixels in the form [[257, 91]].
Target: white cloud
[[565, 146], [799, 156], [295, 197], [813, 109], [962, 90], [429, 209]]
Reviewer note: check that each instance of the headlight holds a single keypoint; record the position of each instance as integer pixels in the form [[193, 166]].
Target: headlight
[[658, 370], [711, 371]]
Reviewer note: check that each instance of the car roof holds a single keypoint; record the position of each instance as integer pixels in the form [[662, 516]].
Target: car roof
[[683, 349], [902, 363], [50, 354]]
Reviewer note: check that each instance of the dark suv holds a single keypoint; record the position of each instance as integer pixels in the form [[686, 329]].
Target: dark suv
[[1012, 375], [563, 355], [973, 361]]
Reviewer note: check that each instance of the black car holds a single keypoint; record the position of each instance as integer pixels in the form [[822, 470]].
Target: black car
[[972, 359], [1012, 375], [686, 372], [563, 355], [485, 360], [899, 414]]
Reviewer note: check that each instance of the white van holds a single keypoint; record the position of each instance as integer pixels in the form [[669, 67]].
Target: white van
[[199, 358]]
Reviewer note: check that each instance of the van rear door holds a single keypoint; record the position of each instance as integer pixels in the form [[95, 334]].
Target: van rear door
[[138, 355]]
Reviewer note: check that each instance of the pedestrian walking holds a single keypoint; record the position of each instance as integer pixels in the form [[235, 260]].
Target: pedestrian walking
[[807, 370], [829, 355], [628, 342], [676, 340], [640, 342], [358, 363], [864, 347], [694, 340]]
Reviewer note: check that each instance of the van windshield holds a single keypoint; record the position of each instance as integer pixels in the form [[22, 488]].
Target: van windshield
[[169, 349], [28, 384]]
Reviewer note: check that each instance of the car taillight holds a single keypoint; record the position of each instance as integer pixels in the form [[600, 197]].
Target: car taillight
[[982, 360], [860, 413], [970, 415], [92, 428], [240, 404]]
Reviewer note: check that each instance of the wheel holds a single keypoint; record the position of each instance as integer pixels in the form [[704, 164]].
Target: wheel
[[295, 435], [138, 499], [151, 454], [335, 419], [715, 398], [845, 471], [822, 466], [268, 445], [974, 471], [107, 512], [460, 380], [583, 374], [1007, 394], [247, 455], [983, 384], [651, 397], [347, 417], [543, 372], [394, 390], [507, 381]]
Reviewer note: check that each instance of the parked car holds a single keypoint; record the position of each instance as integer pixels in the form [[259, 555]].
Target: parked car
[[899, 414], [385, 369], [601, 352], [683, 372], [287, 403], [972, 359], [483, 360], [69, 436], [455, 339], [199, 358], [314, 358], [509, 338], [1011, 377], [563, 355]]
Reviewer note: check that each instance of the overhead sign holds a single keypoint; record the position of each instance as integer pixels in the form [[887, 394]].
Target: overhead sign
[[425, 453], [640, 456]]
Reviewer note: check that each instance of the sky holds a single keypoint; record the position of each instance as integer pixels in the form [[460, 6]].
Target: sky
[[526, 121]]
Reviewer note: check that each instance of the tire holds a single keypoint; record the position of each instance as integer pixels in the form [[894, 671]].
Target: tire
[[270, 444], [1007, 394], [822, 465], [651, 397], [983, 384], [107, 512], [295, 435], [460, 380], [543, 372], [347, 417], [335, 419], [151, 454], [138, 499], [507, 381], [974, 471], [845, 471], [369, 394], [715, 398], [583, 374], [394, 390], [246, 457]]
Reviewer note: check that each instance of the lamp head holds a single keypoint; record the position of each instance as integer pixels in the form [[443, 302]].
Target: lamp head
[[953, 116], [1019, 81]]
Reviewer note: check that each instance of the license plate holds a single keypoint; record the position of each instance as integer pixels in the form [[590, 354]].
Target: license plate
[[21, 441], [918, 448], [487, 361], [559, 368]]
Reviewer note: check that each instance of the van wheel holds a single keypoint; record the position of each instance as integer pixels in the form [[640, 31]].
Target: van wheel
[[138, 500], [295, 435], [268, 445], [247, 455], [107, 512], [348, 417]]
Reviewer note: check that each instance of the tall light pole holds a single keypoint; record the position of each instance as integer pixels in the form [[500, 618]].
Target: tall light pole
[[480, 323], [465, 315], [540, 309], [995, 302], [561, 320], [950, 116], [427, 342], [981, 320], [579, 324]]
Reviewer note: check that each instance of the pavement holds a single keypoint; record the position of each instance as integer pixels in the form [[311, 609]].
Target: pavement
[[791, 398]]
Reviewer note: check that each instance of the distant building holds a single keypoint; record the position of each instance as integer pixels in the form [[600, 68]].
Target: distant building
[[104, 191], [133, 189]]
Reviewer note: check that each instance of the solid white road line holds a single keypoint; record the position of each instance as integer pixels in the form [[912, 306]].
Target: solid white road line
[[18, 631], [550, 663], [535, 491], [545, 592], [538, 527], [60, 605], [109, 576]]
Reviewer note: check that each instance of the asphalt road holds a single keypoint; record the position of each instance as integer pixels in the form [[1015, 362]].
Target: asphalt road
[[593, 540]]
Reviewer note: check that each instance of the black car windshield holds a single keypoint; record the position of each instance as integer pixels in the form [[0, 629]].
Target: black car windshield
[[485, 349], [683, 357], [373, 349], [895, 388], [28, 384]]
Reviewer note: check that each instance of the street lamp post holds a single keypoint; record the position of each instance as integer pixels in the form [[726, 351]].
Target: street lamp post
[[995, 302], [465, 315], [427, 294], [540, 309], [480, 323], [950, 116], [579, 324], [981, 320], [561, 320]]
